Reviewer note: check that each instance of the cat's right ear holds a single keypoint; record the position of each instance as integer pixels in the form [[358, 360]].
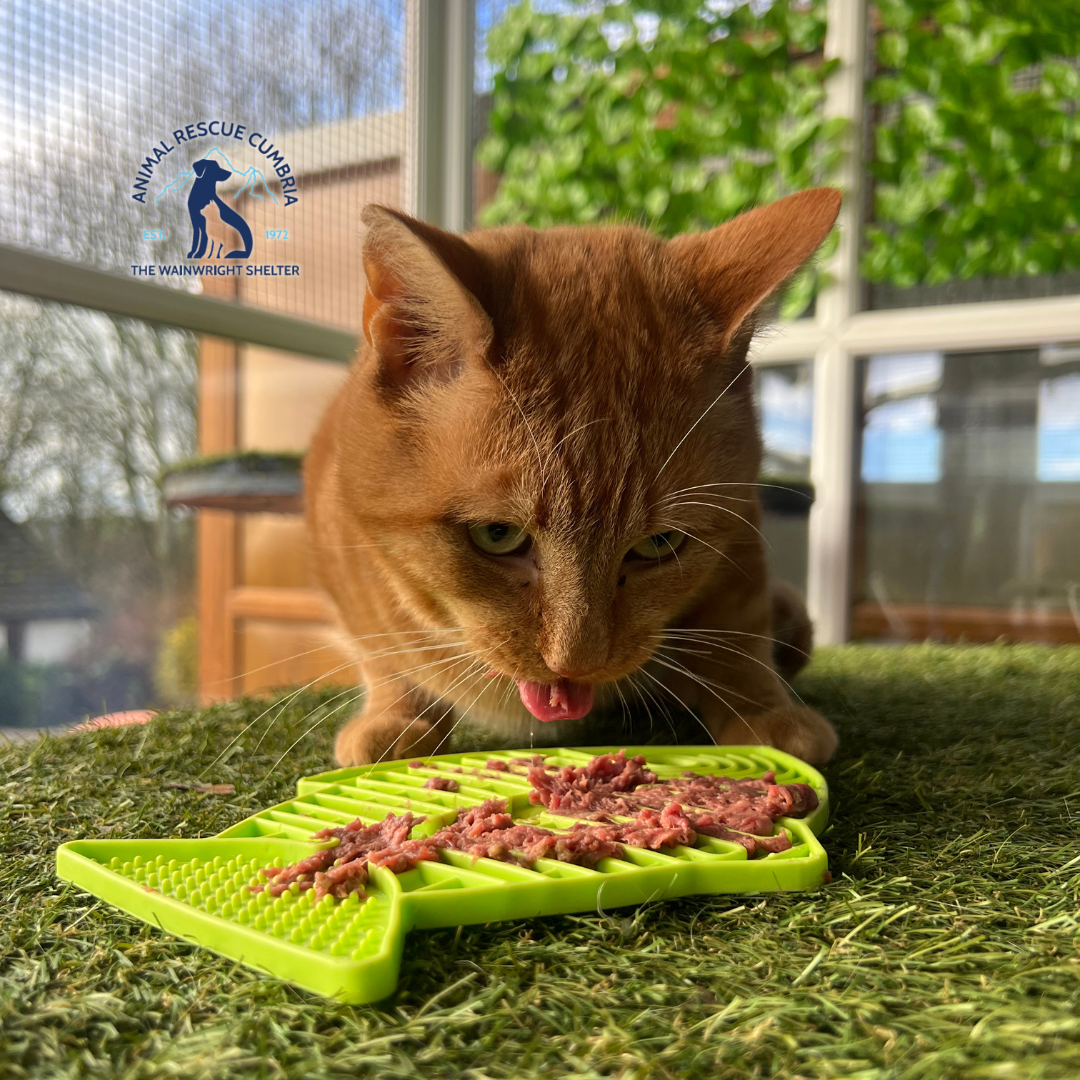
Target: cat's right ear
[[737, 266], [421, 312]]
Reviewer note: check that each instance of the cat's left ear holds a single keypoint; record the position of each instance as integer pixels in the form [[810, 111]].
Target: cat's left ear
[[737, 266], [421, 312]]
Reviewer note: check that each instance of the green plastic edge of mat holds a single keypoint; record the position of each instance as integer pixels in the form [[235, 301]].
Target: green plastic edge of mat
[[448, 893]]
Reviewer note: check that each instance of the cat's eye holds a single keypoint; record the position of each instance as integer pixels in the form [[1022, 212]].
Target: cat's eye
[[498, 538], [657, 546]]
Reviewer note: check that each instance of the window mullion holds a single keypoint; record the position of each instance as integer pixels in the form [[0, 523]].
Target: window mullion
[[829, 559]]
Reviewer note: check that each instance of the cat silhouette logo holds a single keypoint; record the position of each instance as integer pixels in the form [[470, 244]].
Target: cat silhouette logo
[[208, 174]]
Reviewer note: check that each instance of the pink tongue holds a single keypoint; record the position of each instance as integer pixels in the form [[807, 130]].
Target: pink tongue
[[565, 700]]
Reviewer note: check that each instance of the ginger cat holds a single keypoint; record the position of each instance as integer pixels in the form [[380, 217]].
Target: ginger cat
[[535, 495]]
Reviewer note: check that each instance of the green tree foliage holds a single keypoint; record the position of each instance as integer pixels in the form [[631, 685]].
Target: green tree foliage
[[671, 113], [679, 114], [976, 146]]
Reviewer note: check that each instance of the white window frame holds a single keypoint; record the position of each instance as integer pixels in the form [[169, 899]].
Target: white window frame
[[839, 333], [440, 75]]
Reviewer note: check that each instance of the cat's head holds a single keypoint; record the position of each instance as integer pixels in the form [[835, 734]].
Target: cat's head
[[549, 439]]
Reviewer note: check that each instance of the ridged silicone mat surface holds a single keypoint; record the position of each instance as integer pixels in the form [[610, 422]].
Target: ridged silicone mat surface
[[199, 889]]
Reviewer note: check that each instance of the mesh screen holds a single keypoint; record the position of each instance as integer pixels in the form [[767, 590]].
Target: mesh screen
[[99, 95], [102, 102]]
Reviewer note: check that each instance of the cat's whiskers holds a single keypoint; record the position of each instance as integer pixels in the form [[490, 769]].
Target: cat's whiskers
[[724, 509], [477, 668], [473, 674], [366, 689], [675, 501], [744, 655], [686, 708], [652, 697], [706, 631], [326, 675], [674, 665], [508, 693], [358, 693], [397, 675], [473, 669], [322, 648], [704, 684], [730, 483], [322, 720], [290, 698], [663, 708], [683, 528], [580, 427], [483, 689], [624, 706], [457, 723], [731, 648], [712, 404], [274, 663], [702, 636], [445, 662], [418, 631], [689, 652], [640, 697], [391, 651]]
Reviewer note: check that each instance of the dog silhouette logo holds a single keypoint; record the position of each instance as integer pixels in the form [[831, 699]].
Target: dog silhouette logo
[[208, 174]]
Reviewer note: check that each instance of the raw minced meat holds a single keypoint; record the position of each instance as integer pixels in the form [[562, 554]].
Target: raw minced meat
[[441, 783], [342, 869], [616, 786], [489, 832], [484, 832], [673, 826], [588, 787], [660, 814]]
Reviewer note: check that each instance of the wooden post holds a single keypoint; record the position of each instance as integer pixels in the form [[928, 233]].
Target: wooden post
[[217, 531]]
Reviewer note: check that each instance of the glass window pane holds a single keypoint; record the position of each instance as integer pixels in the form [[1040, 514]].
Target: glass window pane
[[971, 192], [108, 108], [968, 504], [785, 398], [96, 576], [671, 148]]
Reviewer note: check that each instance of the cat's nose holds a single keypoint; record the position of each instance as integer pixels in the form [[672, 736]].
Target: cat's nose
[[573, 674]]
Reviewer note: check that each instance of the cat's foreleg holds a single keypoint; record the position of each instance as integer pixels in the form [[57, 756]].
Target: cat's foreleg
[[397, 721], [741, 699], [795, 729]]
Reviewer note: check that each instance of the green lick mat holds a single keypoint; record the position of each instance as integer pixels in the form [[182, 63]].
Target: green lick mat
[[351, 949]]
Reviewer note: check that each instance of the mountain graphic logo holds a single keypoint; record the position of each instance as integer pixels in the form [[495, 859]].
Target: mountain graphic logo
[[204, 176]]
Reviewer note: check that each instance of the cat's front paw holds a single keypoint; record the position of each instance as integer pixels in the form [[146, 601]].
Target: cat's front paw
[[795, 729], [361, 741]]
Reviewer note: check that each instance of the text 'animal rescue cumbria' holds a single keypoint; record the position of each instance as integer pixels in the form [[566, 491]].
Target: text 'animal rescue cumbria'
[[211, 168]]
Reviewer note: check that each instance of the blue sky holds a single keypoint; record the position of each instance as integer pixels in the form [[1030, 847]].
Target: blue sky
[[902, 441]]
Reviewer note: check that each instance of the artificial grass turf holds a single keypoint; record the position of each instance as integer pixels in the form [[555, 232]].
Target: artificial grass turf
[[946, 947]]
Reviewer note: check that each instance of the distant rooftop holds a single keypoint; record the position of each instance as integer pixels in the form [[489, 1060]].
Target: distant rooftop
[[32, 586], [363, 140], [344, 144]]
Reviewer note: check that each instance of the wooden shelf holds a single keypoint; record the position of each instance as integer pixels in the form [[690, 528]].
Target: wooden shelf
[[915, 622], [288, 605], [244, 483]]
